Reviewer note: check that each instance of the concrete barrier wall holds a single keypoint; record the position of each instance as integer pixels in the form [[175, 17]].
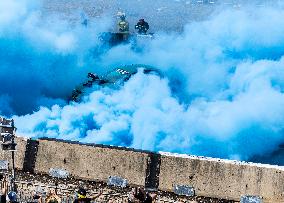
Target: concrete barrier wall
[[209, 177], [92, 162], [19, 154], [221, 178]]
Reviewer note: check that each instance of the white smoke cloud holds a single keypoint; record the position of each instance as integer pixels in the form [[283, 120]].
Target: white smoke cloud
[[144, 115], [222, 94], [11, 12]]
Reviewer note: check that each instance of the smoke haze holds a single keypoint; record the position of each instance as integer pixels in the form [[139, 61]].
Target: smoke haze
[[222, 94]]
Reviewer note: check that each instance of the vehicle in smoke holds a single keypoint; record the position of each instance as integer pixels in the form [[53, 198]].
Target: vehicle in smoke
[[115, 77], [109, 39]]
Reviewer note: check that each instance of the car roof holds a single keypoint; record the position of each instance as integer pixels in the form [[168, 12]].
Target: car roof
[[125, 71]]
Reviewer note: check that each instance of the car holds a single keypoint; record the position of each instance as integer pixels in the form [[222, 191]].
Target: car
[[115, 77]]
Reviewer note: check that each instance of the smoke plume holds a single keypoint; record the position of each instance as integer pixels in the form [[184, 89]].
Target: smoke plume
[[221, 94]]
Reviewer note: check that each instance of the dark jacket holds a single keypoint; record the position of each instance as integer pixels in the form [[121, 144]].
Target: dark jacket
[[142, 27], [3, 199]]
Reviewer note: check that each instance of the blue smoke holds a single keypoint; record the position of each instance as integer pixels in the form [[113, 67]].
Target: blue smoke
[[222, 94], [41, 61]]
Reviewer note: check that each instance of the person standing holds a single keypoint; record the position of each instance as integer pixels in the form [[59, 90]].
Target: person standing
[[123, 26], [142, 26]]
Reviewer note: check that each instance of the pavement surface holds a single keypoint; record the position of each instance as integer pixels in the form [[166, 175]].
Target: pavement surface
[[162, 15]]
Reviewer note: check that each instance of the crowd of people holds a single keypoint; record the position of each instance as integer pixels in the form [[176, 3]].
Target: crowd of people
[[6, 195], [136, 195]]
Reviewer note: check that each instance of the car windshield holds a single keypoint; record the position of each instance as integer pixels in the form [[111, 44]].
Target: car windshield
[[116, 75]]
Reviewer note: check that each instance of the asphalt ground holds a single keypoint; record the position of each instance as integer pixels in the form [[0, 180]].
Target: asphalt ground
[[162, 15]]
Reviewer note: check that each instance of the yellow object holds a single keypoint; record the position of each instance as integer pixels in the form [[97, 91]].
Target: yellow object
[[81, 196]]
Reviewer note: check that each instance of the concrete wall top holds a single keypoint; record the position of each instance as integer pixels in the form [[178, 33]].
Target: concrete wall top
[[222, 178], [92, 162]]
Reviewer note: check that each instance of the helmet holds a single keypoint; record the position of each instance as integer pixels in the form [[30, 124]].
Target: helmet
[[141, 20], [12, 196], [122, 17], [121, 14]]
